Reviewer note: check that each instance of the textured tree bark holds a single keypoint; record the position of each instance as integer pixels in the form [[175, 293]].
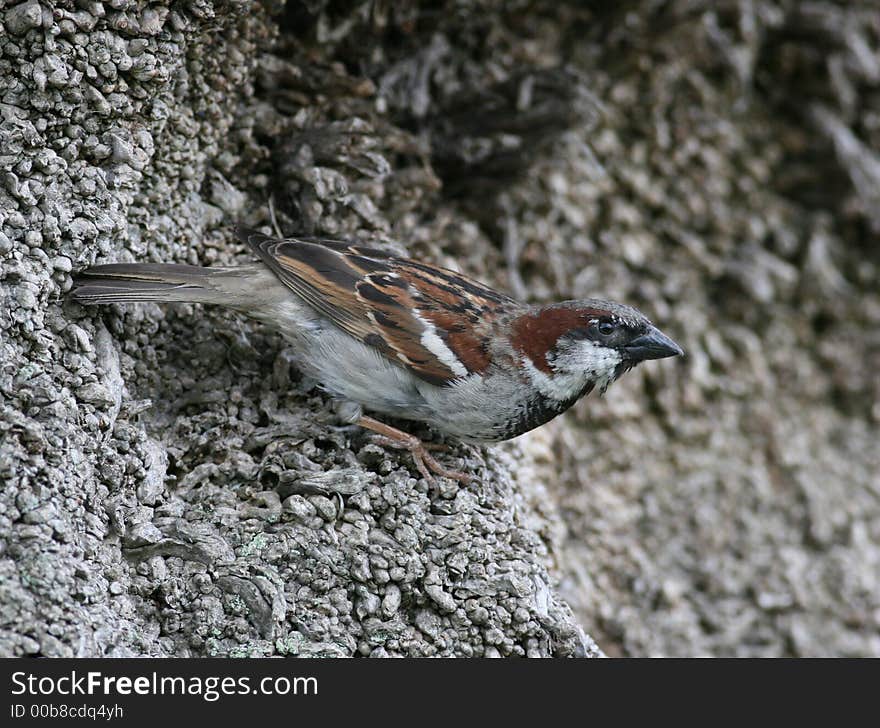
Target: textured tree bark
[[170, 484]]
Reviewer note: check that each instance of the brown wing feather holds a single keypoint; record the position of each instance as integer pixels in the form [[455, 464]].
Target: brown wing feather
[[393, 304]]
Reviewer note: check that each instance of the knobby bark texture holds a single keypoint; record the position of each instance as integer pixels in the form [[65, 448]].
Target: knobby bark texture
[[171, 486]]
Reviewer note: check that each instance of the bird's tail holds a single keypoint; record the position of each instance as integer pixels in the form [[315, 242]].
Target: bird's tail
[[165, 283]]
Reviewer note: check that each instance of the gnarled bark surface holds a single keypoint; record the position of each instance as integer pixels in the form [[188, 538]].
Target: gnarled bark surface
[[171, 486]]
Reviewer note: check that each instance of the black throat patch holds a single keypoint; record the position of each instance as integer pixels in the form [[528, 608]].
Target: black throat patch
[[539, 410]]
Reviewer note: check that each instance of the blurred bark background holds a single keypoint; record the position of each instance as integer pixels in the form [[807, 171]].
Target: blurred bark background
[[171, 487]]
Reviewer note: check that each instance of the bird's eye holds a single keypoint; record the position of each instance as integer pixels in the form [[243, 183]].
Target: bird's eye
[[606, 328]]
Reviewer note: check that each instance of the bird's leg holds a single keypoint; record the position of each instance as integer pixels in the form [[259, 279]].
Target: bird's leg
[[436, 447], [393, 437]]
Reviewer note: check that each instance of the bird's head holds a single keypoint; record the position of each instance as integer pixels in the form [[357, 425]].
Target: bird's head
[[575, 346]]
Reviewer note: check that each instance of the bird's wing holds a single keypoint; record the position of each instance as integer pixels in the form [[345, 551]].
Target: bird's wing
[[424, 318]]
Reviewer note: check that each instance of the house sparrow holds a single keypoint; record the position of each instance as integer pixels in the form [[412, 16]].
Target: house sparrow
[[407, 339]]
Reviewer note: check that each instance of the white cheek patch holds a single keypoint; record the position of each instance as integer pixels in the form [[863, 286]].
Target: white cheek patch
[[600, 361], [573, 369], [557, 386]]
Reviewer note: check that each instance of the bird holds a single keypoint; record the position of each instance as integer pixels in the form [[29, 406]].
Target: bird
[[393, 337]]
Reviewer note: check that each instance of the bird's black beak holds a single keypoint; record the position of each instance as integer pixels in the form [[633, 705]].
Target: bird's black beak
[[653, 344]]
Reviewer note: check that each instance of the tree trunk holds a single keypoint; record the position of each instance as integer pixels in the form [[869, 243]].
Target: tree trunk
[[171, 486]]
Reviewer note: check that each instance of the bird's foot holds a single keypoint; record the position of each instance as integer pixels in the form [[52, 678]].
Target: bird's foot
[[425, 462]]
